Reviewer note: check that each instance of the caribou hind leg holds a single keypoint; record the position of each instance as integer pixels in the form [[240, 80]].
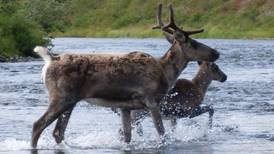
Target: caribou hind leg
[[126, 122], [139, 128], [55, 109], [173, 124], [156, 118], [61, 125], [137, 117]]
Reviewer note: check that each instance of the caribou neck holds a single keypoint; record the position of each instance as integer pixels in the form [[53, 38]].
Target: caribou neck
[[202, 80], [173, 63]]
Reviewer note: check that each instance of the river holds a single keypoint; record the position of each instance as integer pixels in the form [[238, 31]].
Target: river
[[244, 105]]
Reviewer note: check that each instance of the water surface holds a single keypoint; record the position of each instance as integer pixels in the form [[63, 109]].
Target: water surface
[[244, 104]]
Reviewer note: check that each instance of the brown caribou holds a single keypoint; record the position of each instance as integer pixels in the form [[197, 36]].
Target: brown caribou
[[186, 97], [131, 81]]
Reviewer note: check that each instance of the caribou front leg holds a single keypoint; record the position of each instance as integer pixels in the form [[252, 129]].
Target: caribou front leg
[[156, 118], [200, 110], [61, 125]]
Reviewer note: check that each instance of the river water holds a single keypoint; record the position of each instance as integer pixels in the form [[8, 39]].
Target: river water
[[244, 104]]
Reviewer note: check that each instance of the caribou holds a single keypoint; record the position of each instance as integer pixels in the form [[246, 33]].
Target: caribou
[[128, 81], [185, 98]]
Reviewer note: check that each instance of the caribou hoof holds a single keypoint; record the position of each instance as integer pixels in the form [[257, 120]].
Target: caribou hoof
[[58, 137]]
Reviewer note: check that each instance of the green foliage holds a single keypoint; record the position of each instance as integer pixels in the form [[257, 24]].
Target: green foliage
[[50, 14], [18, 34], [24, 23], [126, 20], [220, 18]]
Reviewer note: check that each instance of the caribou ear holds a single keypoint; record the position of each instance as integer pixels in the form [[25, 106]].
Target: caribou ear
[[199, 62]]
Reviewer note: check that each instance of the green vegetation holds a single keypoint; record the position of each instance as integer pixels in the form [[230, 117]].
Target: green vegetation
[[18, 35], [25, 23], [134, 18]]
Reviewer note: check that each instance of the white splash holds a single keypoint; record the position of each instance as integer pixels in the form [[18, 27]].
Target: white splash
[[12, 144], [95, 140]]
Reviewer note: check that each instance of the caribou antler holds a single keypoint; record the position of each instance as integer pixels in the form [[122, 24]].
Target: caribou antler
[[193, 32], [171, 26], [167, 32], [160, 23], [171, 23]]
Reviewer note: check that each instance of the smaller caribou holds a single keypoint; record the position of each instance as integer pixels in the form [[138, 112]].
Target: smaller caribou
[[185, 98]]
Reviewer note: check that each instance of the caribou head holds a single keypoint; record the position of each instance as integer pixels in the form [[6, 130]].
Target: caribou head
[[180, 38]]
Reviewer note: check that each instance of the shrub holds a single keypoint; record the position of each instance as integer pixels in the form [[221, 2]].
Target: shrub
[[19, 36], [50, 14]]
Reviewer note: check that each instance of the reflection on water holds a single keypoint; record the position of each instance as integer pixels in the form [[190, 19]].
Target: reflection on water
[[244, 104]]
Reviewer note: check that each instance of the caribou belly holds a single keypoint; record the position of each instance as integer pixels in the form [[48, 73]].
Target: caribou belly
[[128, 104]]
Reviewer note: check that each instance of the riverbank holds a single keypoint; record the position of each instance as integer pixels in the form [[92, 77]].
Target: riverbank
[[15, 59]]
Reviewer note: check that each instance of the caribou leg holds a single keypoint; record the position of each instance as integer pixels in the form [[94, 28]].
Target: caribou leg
[[200, 110], [126, 122], [173, 124], [156, 117], [61, 125], [55, 109], [137, 117]]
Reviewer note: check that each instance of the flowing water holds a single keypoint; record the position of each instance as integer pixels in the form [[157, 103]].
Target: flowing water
[[244, 104]]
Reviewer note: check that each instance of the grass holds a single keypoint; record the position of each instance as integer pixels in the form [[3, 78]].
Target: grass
[[134, 18], [215, 31], [24, 23]]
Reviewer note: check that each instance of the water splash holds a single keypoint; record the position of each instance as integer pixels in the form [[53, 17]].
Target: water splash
[[12, 144]]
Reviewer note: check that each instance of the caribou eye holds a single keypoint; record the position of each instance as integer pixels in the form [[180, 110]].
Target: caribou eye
[[214, 67]]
